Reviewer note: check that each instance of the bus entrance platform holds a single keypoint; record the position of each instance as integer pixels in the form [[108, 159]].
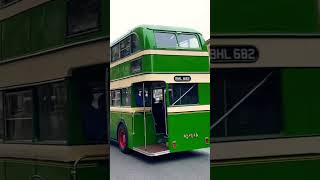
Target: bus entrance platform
[[153, 150]]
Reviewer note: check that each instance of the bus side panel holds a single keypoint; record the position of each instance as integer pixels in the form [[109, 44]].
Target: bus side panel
[[189, 130], [301, 101], [127, 118], [2, 174], [114, 121], [138, 137], [95, 171], [182, 64], [50, 171], [19, 170], [204, 93], [266, 170]]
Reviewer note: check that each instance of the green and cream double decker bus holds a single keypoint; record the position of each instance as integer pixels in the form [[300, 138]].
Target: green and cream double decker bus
[[159, 86]]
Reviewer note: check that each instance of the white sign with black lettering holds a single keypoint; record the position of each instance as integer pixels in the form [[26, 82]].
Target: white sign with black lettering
[[237, 53], [182, 78]]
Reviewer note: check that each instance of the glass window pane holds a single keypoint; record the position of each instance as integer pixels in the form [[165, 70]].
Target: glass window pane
[[134, 43], [166, 40], [136, 66], [19, 115], [125, 47], [52, 111], [139, 95], [262, 108], [115, 52], [188, 41], [83, 15], [182, 94], [126, 97], [115, 98]]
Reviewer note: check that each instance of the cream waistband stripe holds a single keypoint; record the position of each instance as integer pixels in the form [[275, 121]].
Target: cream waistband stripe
[[170, 109], [188, 108], [168, 78], [159, 52]]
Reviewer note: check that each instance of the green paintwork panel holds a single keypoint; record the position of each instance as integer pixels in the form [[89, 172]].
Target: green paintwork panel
[[180, 124], [115, 118], [164, 64], [266, 170], [264, 16], [54, 171], [2, 171], [135, 126], [17, 169], [301, 101], [16, 35], [138, 137], [204, 93], [94, 171]]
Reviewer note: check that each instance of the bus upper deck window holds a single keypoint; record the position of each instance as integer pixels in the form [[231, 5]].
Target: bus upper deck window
[[166, 40], [125, 47], [115, 52], [188, 41], [134, 43]]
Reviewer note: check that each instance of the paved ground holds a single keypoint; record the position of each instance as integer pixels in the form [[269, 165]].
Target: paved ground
[[180, 166]]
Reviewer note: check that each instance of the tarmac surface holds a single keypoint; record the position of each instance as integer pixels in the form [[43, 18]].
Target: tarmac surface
[[193, 165]]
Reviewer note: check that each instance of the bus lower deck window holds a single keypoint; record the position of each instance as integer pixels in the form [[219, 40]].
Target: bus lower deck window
[[182, 94]]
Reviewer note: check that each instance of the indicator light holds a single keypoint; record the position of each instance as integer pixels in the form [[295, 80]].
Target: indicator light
[[174, 144], [206, 140]]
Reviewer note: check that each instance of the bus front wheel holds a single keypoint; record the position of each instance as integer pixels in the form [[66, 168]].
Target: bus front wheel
[[123, 138]]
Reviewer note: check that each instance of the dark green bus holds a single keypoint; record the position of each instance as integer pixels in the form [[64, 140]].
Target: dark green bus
[[159, 85], [53, 73]]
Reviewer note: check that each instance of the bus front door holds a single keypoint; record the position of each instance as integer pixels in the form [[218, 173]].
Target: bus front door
[[159, 110]]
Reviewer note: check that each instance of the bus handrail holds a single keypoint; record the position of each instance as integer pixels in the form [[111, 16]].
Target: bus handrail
[[241, 101], [75, 165], [183, 95]]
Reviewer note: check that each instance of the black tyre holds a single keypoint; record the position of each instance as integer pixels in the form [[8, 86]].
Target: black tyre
[[123, 138]]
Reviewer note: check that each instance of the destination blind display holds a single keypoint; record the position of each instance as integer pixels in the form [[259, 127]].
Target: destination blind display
[[234, 54], [182, 78]]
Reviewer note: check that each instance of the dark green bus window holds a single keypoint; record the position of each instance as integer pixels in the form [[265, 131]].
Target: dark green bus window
[[115, 52], [125, 47], [134, 43], [52, 111], [19, 115], [1, 116], [188, 41], [183, 94], [115, 98], [83, 16], [125, 97], [259, 114], [166, 40]]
